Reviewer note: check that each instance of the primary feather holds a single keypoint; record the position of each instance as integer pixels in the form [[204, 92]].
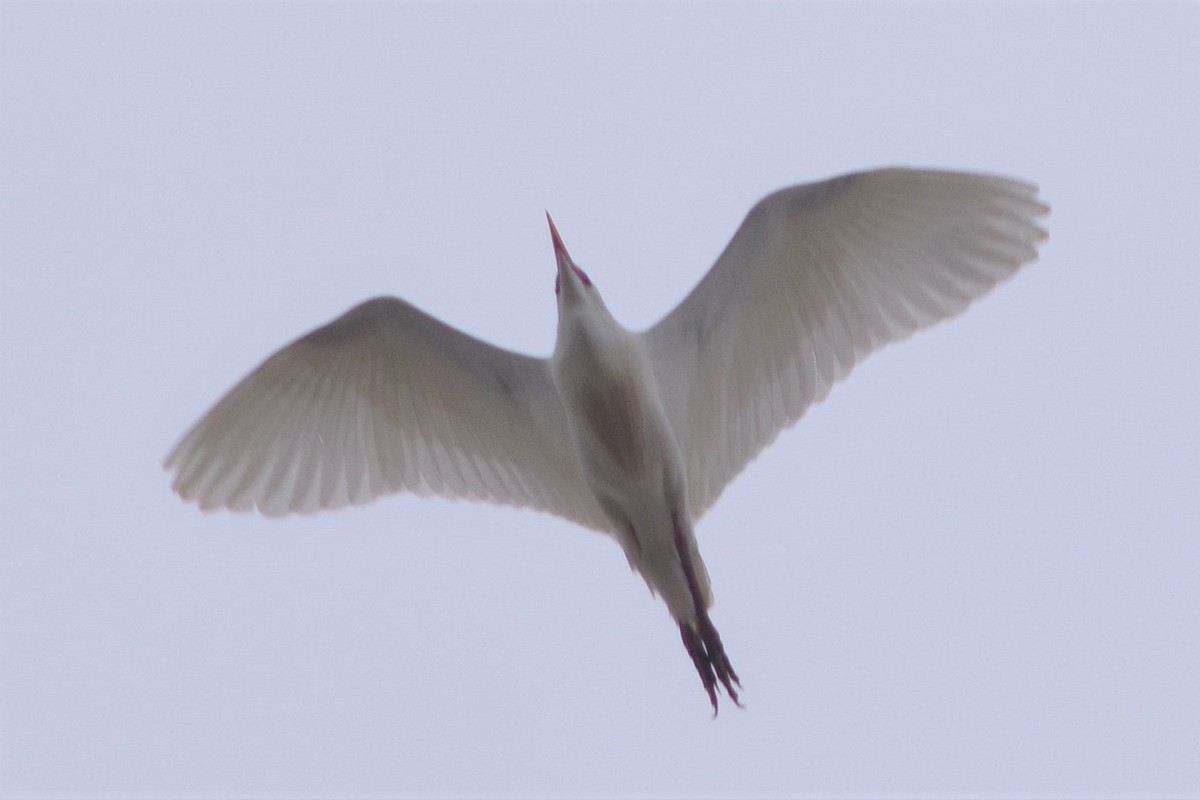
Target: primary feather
[[816, 278], [385, 399]]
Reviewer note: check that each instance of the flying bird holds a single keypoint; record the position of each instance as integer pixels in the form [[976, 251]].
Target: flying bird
[[634, 434]]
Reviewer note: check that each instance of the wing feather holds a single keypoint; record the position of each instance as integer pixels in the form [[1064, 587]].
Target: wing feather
[[385, 399], [816, 278]]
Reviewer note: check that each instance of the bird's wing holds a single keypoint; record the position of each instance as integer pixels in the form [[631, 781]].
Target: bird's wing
[[817, 277], [386, 399]]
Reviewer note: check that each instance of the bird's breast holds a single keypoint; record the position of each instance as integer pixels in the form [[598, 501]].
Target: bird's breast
[[606, 386], [612, 415]]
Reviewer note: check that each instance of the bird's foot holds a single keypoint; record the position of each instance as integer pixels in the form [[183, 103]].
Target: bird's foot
[[701, 639], [703, 644]]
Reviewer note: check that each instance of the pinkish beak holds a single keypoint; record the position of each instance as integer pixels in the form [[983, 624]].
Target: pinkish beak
[[564, 259], [560, 249]]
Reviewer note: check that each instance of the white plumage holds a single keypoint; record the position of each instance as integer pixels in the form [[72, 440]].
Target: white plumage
[[631, 434]]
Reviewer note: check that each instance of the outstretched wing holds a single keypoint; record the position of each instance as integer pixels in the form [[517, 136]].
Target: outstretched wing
[[386, 399], [817, 277]]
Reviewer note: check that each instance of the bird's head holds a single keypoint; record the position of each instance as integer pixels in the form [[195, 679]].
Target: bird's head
[[572, 285]]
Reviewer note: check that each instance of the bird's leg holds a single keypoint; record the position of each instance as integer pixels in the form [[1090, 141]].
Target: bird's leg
[[702, 641]]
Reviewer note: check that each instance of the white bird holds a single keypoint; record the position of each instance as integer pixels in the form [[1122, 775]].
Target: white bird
[[632, 434]]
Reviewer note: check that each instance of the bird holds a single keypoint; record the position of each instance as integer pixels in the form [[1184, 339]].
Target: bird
[[634, 434]]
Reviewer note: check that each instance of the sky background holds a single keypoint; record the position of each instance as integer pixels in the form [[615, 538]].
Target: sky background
[[973, 569]]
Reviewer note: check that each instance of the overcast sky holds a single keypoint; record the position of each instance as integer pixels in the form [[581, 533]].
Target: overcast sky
[[973, 569]]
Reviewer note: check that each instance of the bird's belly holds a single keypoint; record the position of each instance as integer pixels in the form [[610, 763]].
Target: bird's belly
[[634, 470]]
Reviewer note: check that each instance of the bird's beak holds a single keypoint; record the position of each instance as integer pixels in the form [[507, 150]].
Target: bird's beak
[[571, 278], [560, 249]]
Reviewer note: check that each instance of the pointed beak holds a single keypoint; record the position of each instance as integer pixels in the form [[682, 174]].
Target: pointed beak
[[569, 274], [560, 249]]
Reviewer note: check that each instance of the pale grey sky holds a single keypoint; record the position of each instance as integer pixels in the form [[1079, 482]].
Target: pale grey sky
[[973, 569]]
